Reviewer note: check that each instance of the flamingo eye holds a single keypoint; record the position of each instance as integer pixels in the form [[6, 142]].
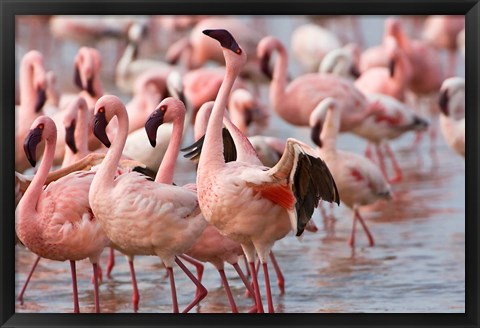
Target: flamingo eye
[[101, 109], [238, 51], [41, 126], [163, 108]]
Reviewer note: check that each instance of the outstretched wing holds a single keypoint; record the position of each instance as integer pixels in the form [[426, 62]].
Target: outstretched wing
[[229, 149], [309, 180]]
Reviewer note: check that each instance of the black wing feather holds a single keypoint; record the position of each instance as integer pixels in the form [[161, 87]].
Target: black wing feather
[[229, 149]]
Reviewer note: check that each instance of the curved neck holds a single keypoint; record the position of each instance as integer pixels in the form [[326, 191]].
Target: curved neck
[[329, 133], [108, 169], [403, 71], [237, 117], [279, 79], [165, 171], [127, 57], [213, 147], [35, 189]]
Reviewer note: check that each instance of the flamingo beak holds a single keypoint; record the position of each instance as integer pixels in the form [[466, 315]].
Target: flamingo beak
[[100, 127], [315, 134], [30, 145], [354, 71], [226, 40], [76, 78], [265, 66], [443, 102], [153, 122], [41, 99], [70, 137], [391, 67]]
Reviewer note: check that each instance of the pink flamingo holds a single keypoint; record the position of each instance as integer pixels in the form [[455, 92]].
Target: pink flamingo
[[310, 43], [442, 32], [211, 246], [359, 181], [452, 97], [342, 62], [56, 222], [140, 216], [33, 85], [271, 202], [295, 102], [391, 81]]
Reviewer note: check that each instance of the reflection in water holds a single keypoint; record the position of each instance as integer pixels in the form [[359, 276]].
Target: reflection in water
[[416, 265]]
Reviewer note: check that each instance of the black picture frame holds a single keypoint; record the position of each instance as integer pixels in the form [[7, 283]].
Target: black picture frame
[[10, 8]]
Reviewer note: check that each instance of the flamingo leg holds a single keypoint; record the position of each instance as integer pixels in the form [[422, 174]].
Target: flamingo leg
[[381, 161], [199, 266], [256, 289], [246, 266], [111, 263], [228, 291], [278, 271], [95, 292], [396, 167], [173, 289], [203, 290], [135, 295], [76, 307], [246, 283], [352, 235], [267, 287], [364, 225], [24, 288]]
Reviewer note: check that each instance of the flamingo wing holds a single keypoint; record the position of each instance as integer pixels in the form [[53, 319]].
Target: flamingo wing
[[229, 149]]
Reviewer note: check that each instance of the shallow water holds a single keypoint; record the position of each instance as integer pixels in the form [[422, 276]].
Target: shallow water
[[416, 266]]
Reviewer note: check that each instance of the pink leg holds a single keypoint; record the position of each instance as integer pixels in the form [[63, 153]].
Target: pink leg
[[135, 295], [364, 225], [267, 287], [256, 289], [203, 291], [352, 235], [396, 167], [99, 275], [22, 292], [228, 291], [76, 307], [246, 266], [198, 265], [280, 278], [111, 263], [381, 161], [173, 289], [246, 283], [97, 298]]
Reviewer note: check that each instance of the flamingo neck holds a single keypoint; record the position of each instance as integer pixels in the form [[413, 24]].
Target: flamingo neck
[[165, 171], [33, 192], [108, 169], [27, 96], [329, 133], [212, 152], [237, 117], [279, 79], [403, 72]]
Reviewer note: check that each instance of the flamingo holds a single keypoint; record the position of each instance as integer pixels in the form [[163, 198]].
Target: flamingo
[[342, 62], [249, 203], [359, 180], [33, 84], [143, 217], [310, 43], [56, 222], [295, 102], [392, 81], [211, 246], [442, 32], [452, 96]]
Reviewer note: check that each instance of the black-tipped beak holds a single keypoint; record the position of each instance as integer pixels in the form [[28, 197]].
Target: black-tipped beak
[[443, 102], [41, 99], [70, 137], [100, 128], [151, 125], [30, 145], [391, 67], [315, 134], [89, 87], [354, 71], [76, 78], [419, 123], [225, 38], [265, 66]]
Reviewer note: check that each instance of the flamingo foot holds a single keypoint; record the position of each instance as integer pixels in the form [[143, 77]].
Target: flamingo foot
[[203, 290], [22, 292]]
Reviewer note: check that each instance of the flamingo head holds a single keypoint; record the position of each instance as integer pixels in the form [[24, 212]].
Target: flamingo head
[[87, 62], [169, 110], [70, 119], [40, 85], [318, 118], [265, 48], [452, 96], [235, 57], [105, 109], [42, 128]]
